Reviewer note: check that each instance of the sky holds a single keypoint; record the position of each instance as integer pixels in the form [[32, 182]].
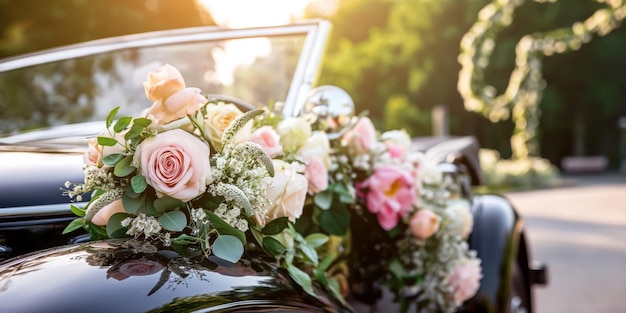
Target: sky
[[246, 13]]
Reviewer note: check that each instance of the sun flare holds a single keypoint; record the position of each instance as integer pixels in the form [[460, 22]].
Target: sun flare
[[247, 13]]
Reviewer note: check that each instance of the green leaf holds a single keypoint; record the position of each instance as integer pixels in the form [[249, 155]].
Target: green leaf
[[96, 232], [114, 225], [273, 246], [228, 248], [335, 221], [134, 132], [142, 122], [77, 211], [111, 116], [112, 159], [184, 240], [276, 226], [310, 253], [324, 199], [167, 203], [122, 123], [138, 182], [173, 220], [224, 228], [301, 278], [344, 194], [132, 205], [74, 225], [323, 266], [316, 240], [124, 168], [107, 141]]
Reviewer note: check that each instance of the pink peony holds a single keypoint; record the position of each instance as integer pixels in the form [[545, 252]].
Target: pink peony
[[175, 163], [361, 138], [268, 139], [464, 280], [390, 194], [316, 174], [424, 223]]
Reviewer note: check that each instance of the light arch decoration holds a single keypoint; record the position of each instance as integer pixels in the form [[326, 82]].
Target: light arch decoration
[[520, 100]]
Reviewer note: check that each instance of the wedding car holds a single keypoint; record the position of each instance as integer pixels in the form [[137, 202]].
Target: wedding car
[[52, 102]]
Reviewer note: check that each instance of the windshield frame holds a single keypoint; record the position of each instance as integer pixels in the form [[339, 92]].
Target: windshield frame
[[305, 75]]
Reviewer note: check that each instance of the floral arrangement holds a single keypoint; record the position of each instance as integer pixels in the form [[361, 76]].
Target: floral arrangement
[[197, 173]]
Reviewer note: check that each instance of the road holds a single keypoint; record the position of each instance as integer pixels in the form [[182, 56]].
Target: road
[[579, 230]]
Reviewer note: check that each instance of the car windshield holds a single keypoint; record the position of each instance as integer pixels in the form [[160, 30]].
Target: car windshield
[[258, 68]]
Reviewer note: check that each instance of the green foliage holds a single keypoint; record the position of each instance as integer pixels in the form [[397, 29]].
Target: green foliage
[[228, 248], [173, 220], [401, 114]]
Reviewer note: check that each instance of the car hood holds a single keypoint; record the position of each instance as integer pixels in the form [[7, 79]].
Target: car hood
[[128, 275]]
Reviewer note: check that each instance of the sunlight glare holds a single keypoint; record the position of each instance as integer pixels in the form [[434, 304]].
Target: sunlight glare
[[248, 13]]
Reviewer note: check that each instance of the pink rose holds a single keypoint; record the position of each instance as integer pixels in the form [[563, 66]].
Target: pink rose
[[175, 163], [101, 218], [163, 82], [287, 193], [95, 152], [140, 267], [316, 174], [268, 139], [395, 151], [178, 105], [424, 223], [465, 280], [390, 194], [361, 138]]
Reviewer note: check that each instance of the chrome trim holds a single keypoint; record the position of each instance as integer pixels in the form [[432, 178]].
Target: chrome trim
[[38, 210], [304, 77]]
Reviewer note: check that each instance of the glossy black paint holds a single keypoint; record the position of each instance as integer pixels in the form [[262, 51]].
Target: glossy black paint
[[130, 276]]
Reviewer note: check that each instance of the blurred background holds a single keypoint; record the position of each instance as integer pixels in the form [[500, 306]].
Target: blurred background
[[541, 84]]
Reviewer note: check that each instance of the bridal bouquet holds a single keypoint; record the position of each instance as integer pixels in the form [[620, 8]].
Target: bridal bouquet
[[201, 174]]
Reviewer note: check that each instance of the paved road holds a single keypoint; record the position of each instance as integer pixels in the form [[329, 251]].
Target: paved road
[[580, 231]]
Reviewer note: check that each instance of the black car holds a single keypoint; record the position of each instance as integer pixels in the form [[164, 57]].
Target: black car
[[51, 101]]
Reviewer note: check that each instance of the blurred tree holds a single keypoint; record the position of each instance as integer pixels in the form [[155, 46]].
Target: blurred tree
[[29, 25]]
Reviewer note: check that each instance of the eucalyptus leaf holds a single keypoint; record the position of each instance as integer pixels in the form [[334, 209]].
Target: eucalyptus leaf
[[139, 184], [133, 205], [142, 122], [224, 228], [122, 123], [301, 278], [106, 141], [228, 248], [167, 203], [276, 226], [111, 116], [324, 199], [124, 168], [134, 132], [173, 220], [114, 225], [112, 159]]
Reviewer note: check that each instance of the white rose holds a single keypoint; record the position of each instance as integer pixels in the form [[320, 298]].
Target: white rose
[[294, 133], [397, 137], [217, 118], [318, 147], [460, 217], [287, 193]]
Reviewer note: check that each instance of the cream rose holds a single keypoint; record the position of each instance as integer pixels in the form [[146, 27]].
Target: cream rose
[[175, 163], [287, 193], [294, 133], [268, 139], [163, 82], [176, 106], [217, 118], [460, 217], [317, 146], [424, 224]]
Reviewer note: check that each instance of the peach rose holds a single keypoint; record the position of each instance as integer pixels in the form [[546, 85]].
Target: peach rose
[[287, 193], [465, 279], [316, 174], [176, 106], [217, 118], [424, 223], [361, 138], [175, 163], [163, 82], [268, 139], [101, 218]]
